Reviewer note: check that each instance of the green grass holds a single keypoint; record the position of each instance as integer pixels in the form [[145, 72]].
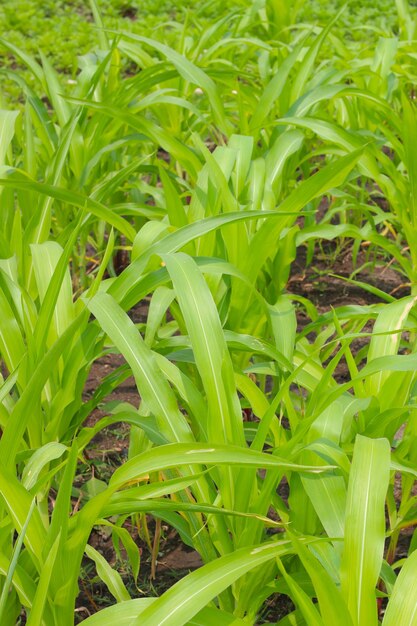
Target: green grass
[[65, 30], [211, 153]]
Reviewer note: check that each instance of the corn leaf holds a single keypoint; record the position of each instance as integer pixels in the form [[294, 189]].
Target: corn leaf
[[365, 528]]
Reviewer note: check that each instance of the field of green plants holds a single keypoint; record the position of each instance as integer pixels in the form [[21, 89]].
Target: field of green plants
[[208, 313]]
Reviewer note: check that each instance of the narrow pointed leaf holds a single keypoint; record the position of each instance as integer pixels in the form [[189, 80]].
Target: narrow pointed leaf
[[365, 528]]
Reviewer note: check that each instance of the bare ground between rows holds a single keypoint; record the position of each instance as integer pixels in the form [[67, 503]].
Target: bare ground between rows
[[171, 559]]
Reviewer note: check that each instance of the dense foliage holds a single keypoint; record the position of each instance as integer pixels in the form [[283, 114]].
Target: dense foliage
[[189, 168]]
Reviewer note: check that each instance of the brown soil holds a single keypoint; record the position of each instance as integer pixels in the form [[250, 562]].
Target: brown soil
[[319, 281]]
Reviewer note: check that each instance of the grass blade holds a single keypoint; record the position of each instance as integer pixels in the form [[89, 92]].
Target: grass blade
[[13, 563], [209, 348], [154, 389], [187, 597], [402, 606], [365, 528]]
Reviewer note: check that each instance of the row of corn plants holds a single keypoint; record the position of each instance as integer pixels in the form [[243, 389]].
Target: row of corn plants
[[190, 172]]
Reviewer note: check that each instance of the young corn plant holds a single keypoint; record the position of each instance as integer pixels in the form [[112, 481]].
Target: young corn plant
[[314, 379], [59, 159], [35, 440], [235, 405], [48, 590], [342, 505], [47, 347]]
